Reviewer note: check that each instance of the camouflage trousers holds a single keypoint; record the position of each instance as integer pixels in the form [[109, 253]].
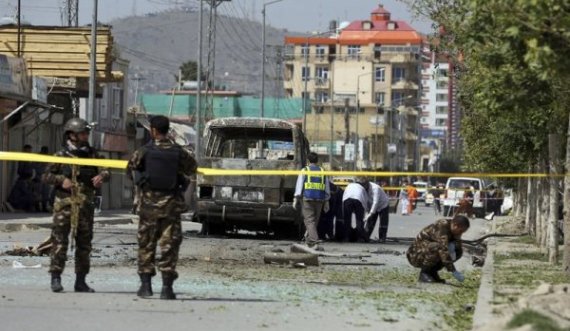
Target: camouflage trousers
[[427, 256], [167, 234], [60, 237]]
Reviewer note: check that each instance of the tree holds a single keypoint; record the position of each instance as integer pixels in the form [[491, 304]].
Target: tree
[[189, 70], [512, 60]]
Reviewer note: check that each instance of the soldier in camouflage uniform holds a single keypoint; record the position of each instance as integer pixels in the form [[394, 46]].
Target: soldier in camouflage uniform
[[89, 179], [437, 246], [161, 171]]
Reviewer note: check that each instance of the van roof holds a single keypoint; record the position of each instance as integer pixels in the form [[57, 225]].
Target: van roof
[[465, 178]]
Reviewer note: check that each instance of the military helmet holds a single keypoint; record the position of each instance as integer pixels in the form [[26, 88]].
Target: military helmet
[[76, 125]]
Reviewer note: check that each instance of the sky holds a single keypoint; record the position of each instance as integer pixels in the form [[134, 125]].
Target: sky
[[294, 15]]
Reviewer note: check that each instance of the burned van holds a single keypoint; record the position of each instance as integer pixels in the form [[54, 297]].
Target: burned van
[[256, 203]]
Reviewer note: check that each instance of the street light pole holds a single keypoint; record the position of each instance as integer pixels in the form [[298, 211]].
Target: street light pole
[[92, 65], [198, 110], [262, 108], [306, 78]]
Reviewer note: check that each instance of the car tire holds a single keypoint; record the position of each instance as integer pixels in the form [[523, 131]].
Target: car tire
[[213, 228]]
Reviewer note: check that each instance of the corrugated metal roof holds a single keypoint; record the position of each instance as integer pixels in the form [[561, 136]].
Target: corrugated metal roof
[[184, 106]]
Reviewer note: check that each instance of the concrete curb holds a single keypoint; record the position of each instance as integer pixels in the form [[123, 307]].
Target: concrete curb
[[483, 312], [483, 308]]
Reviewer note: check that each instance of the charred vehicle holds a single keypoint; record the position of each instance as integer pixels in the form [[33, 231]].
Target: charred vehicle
[[256, 203]]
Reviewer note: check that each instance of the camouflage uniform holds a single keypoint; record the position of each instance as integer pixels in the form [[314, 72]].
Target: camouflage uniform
[[54, 175], [430, 250], [159, 215]]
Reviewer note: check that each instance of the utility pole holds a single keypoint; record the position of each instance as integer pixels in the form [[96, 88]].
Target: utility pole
[[262, 101], [331, 93], [93, 65], [306, 78], [72, 12], [198, 110], [19, 53]]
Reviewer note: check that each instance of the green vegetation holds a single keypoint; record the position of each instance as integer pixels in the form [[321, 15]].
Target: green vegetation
[[389, 291], [523, 240], [539, 322], [511, 64], [520, 255]]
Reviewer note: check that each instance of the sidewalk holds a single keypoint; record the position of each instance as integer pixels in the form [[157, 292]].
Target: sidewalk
[[10, 220], [519, 288]]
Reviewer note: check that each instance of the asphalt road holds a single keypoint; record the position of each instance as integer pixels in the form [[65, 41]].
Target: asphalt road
[[224, 285]]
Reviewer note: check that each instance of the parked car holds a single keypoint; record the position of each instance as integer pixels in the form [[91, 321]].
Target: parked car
[[422, 188], [455, 189], [256, 203], [429, 199]]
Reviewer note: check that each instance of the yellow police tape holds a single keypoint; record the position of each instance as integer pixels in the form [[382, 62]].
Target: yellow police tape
[[122, 164]]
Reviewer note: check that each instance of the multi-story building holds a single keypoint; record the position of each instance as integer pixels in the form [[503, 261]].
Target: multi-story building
[[362, 83], [440, 117], [436, 101]]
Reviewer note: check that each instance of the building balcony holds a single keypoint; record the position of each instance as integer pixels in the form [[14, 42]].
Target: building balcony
[[405, 85]]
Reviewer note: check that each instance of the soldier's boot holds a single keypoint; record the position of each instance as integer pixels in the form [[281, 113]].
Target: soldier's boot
[[425, 277], [80, 284], [56, 282], [167, 292], [435, 275], [146, 286]]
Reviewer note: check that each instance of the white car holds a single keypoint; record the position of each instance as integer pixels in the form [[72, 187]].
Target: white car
[[454, 190], [422, 188]]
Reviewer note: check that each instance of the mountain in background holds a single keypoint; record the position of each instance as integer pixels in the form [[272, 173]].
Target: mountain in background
[[157, 44]]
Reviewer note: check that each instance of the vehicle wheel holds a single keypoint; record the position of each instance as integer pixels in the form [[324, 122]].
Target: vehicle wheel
[[289, 231], [212, 228]]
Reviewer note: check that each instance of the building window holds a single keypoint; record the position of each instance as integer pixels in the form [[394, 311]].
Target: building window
[[321, 51], [397, 98], [305, 50], [322, 73], [305, 73], [322, 96], [398, 74], [353, 51], [379, 98], [117, 103], [440, 122], [441, 97], [306, 95], [442, 85], [380, 74], [441, 109], [442, 72]]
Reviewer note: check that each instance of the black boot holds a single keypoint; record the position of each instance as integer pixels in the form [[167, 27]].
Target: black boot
[[425, 277], [435, 275], [80, 284], [146, 286], [167, 292], [56, 282]]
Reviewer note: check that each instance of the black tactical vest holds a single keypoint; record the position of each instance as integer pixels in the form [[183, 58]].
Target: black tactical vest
[[85, 173], [161, 167]]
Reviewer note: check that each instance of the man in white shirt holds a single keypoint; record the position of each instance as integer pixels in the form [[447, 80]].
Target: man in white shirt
[[355, 201], [380, 203]]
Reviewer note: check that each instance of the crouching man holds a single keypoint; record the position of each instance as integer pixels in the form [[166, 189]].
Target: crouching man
[[438, 246]]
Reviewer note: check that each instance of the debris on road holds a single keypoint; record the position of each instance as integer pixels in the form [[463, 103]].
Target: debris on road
[[297, 248], [21, 251], [291, 258], [20, 265]]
